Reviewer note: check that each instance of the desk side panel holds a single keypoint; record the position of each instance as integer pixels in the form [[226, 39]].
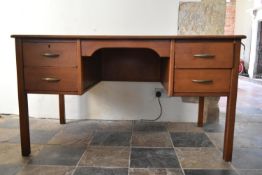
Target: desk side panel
[[167, 70], [91, 71]]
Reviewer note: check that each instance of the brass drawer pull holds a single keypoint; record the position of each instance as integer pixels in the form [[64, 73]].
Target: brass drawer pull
[[50, 55], [204, 56], [202, 81], [49, 79]]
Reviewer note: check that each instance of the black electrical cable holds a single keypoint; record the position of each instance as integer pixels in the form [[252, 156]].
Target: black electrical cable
[[160, 114]]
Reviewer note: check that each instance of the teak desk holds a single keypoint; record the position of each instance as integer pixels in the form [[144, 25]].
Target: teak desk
[[185, 65]]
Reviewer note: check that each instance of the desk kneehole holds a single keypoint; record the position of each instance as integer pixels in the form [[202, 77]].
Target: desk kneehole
[[202, 80]]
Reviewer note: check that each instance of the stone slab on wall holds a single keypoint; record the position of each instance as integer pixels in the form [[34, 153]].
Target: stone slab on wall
[[205, 17]]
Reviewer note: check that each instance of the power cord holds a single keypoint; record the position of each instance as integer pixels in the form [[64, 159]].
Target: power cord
[[158, 95]]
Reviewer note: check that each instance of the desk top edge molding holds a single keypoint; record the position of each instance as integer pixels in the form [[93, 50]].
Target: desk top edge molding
[[130, 36]]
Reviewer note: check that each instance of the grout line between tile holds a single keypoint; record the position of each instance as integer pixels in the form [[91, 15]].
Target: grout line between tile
[[176, 153], [130, 148], [215, 146], [23, 166], [207, 169], [221, 151], [36, 165], [236, 170], [212, 169], [250, 169], [152, 147], [77, 165], [103, 167]]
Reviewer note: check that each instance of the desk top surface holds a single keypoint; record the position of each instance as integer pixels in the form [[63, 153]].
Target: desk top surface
[[138, 37]]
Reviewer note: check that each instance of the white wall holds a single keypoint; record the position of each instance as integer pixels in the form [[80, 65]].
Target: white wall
[[257, 18], [107, 100], [243, 25]]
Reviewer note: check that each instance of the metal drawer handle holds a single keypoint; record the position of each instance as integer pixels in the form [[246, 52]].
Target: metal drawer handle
[[50, 79], [204, 56], [202, 81], [50, 55]]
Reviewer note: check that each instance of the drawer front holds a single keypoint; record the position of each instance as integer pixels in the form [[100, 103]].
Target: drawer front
[[204, 54], [50, 79], [49, 53], [202, 80]]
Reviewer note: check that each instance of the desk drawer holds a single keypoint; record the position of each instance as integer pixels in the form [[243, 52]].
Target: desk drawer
[[50, 79], [49, 53], [202, 80], [204, 54]]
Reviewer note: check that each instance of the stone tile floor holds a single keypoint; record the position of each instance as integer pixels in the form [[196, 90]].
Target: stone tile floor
[[137, 148]]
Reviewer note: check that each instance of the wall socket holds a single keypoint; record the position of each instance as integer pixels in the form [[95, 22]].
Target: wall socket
[[162, 90]]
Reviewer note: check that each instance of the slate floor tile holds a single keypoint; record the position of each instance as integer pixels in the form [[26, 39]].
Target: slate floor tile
[[58, 155], [184, 127], [106, 157], [248, 127], [250, 172], [45, 124], [249, 110], [37, 136], [46, 170], [72, 137], [201, 158], [154, 158], [151, 171], [9, 121], [100, 171], [7, 134], [150, 126], [10, 169], [217, 139], [190, 139], [244, 118], [111, 139], [243, 140], [210, 172], [247, 158], [151, 139], [214, 126], [79, 126], [120, 126], [98, 125], [11, 153], [246, 135]]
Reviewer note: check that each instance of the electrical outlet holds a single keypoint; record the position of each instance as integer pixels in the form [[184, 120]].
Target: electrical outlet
[[162, 90]]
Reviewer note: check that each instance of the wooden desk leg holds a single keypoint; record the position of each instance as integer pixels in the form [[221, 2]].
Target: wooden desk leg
[[231, 108], [62, 108], [22, 101], [24, 124], [229, 129], [201, 111]]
